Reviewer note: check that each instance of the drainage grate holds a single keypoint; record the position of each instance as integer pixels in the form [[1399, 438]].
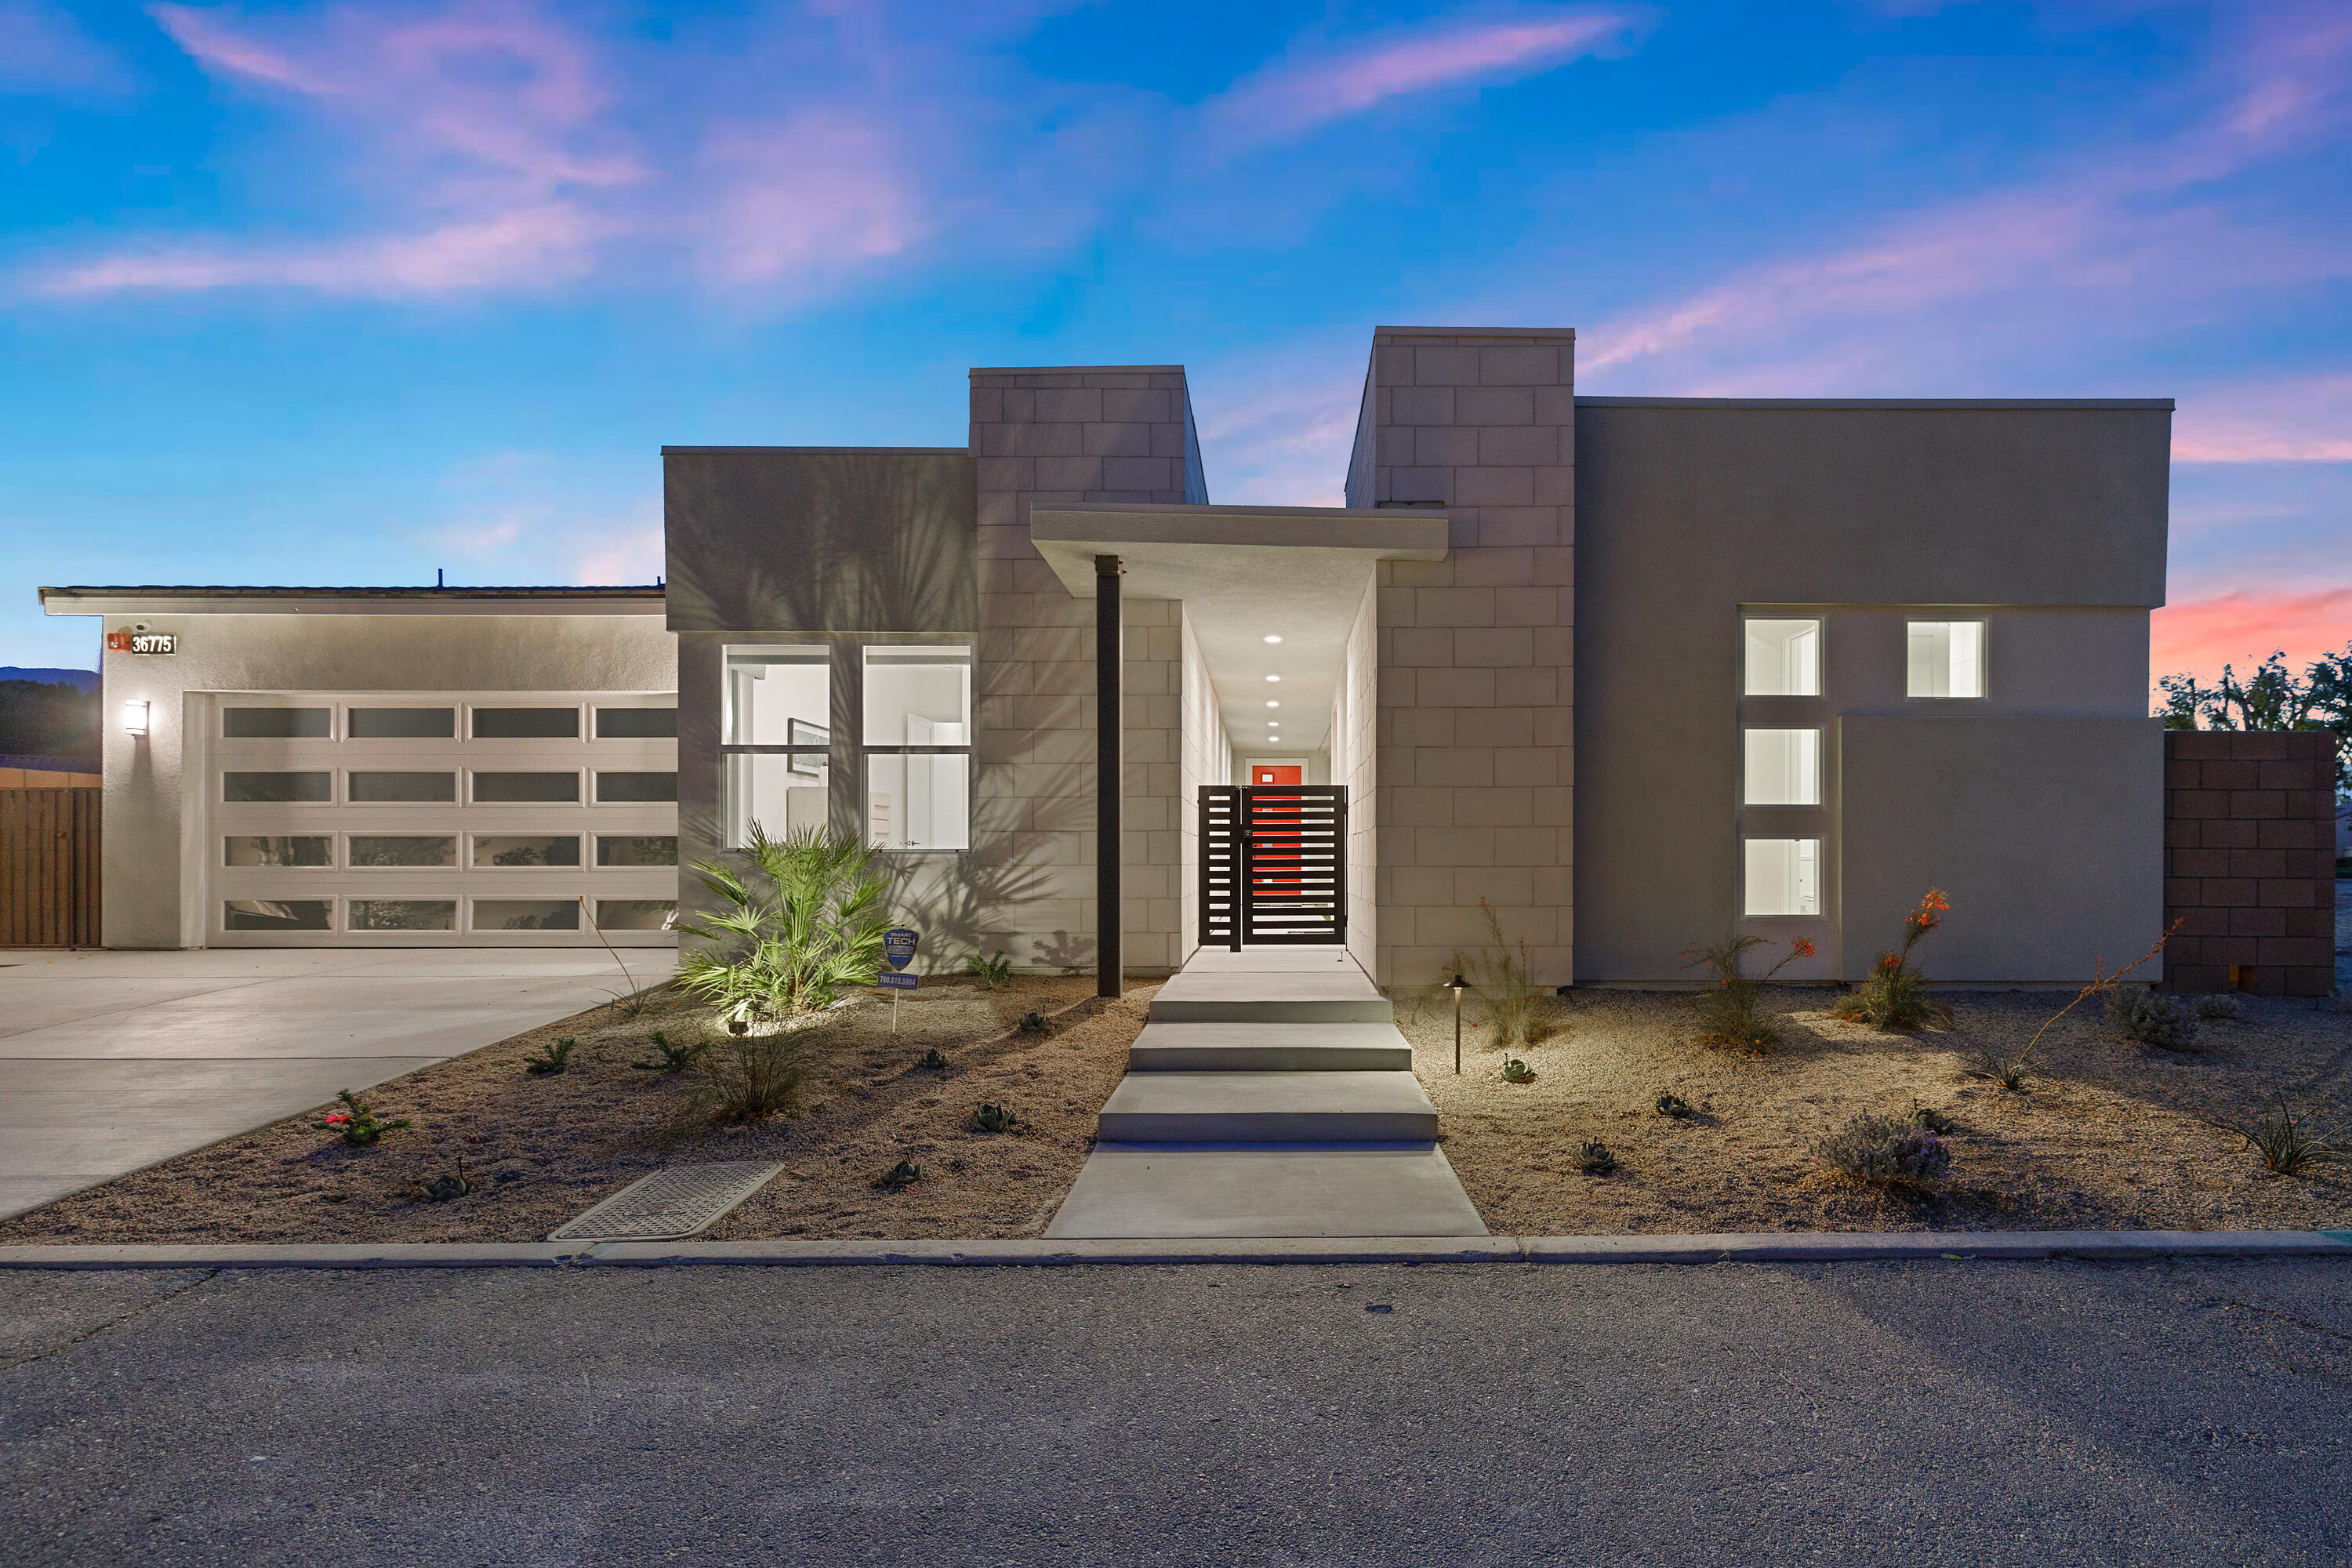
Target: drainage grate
[[669, 1205]]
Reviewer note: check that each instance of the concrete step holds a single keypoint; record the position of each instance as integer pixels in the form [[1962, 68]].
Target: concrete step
[[1291, 985], [1267, 1108], [1269, 1047], [1147, 1189]]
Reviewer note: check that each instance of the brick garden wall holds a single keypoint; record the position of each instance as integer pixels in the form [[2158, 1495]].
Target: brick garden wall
[[2250, 862]]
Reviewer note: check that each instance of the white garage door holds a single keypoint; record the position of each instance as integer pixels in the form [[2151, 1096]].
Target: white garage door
[[462, 819]]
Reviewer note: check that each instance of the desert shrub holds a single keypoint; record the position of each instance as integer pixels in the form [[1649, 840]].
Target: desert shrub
[[1517, 1071], [2007, 1069], [2142, 1015], [1674, 1105], [2287, 1140], [905, 1174], [549, 1060], [357, 1123], [446, 1187], [1894, 995], [1730, 1011], [1502, 975], [1889, 1151], [932, 1061], [2220, 1007], [990, 1118], [1595, 1159], [749, 1078], [994, 973], [804, 927], [668, 1058], [1035, 1023]]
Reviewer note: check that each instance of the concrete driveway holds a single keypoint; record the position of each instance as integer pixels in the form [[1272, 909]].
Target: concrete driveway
[[110, 1061]]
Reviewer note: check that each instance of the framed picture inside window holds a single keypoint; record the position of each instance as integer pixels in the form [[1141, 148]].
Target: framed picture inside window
[[805, 733]]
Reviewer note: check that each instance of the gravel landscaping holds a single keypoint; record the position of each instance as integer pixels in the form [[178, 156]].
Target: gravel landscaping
[[538, 1150], [2107, 1133]]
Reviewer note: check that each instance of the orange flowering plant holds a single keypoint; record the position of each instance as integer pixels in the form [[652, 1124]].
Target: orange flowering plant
[[1730, 1011], [1894, 994]]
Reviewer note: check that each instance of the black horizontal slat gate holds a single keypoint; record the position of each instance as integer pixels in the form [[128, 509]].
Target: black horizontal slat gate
[[1274, 865]]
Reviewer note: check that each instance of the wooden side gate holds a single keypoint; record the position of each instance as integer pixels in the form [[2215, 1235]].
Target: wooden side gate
[[1274, 865], [48, 868]]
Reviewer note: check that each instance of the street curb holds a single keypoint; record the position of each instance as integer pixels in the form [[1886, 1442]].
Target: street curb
[[1783, 1247]]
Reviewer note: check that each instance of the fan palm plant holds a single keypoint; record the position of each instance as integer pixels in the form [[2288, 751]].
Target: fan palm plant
[[804, 924]]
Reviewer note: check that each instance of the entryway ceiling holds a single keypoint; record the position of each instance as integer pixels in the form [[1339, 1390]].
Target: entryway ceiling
[[1245, 573]]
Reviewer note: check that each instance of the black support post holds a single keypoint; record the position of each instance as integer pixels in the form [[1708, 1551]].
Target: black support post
[[1109, 760]]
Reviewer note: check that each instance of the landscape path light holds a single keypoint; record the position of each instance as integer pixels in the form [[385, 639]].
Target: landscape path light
[[1458, 985]]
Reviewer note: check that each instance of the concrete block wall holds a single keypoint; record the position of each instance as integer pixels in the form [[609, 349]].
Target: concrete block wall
[[1207, 755], [2250, 868], [1060, 435], [1355, 763], [1475, 767]]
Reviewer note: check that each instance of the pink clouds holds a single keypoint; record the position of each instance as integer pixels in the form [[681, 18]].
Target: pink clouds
[[2242, 628], [2301, 420], [2102, 247], [1295, 96], [42, 48], [807, 198]]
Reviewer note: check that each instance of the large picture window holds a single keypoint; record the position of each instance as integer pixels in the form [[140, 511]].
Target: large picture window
[[775, 743], [916, 734]]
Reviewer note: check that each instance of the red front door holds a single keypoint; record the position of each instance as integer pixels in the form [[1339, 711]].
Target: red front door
[[1277, 774], [1273, 832]]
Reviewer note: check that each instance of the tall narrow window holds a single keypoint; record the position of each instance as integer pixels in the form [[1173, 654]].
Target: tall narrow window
[[916, 738], [1783, 658], [1947, 659], [775, 739], [1784, 767], [1783, 877]]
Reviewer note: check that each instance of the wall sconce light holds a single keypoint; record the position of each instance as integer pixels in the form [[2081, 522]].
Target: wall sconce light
[[135, 718]]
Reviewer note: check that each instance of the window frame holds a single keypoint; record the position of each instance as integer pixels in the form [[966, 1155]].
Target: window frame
[[1984, 655], [792, 752], [868, 751]]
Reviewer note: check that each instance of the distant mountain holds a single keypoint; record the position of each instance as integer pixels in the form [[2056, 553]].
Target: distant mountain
[[79, 679]]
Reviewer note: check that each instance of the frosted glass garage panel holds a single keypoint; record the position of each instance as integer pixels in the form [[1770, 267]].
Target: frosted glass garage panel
[[1783, 658], [402, 850], [403, 789], [520, 849], [276, 723], [917, 697], [402, 723], [525, 723], [637, 849], [778, 696], [635, 914], [636, 723], [279, 850], [277, 789], [403, 914], [526, 914], [1783, 877], [917, 802], [1783, 767], [278, 914], [1947, 658], [783, 794]]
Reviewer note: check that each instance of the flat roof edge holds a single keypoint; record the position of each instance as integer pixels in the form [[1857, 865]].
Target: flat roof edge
[[203, 599], [1378, 333], [1186, 509], [833, 451], [1077, 370], [2141, 403]]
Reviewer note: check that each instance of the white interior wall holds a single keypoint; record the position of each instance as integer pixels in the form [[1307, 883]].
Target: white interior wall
[[1355, 746], [1206, 757]]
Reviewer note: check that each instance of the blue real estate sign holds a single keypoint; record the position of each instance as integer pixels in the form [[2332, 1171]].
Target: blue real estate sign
[[898, 947]]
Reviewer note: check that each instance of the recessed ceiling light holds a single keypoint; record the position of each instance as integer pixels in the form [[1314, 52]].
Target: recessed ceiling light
[[1273, 639], [1273, 678], [1273, 704]]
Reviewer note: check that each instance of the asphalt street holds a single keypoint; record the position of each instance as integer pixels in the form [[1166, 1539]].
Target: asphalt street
[[1900, 1413]]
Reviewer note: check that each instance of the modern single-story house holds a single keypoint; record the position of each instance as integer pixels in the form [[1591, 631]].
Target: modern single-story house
[[1630, 672]]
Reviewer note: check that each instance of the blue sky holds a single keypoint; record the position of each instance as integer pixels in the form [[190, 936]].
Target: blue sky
[[349, 293]]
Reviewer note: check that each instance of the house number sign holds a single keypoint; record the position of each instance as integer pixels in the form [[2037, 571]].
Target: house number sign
[[142, 642]]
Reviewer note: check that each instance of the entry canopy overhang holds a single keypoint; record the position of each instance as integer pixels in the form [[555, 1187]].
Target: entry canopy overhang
[[1245, 574]]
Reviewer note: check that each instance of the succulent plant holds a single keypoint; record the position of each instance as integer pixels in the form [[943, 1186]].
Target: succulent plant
[[993, 1118], [672, 1058], [991, 971], [1674, 1105], [1595, 1159], [1517, 1071], [444, 1189], [1927, 1119], [357, 1123], [550, 1060], [1034, 1022], [933, 1061], [905, 1174]]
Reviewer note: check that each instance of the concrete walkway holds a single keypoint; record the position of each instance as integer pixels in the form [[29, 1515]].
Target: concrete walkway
[[112, 1061], [1270, 1094]]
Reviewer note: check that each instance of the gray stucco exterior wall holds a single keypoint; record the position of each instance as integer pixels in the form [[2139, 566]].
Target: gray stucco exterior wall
[[2047, 521]]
